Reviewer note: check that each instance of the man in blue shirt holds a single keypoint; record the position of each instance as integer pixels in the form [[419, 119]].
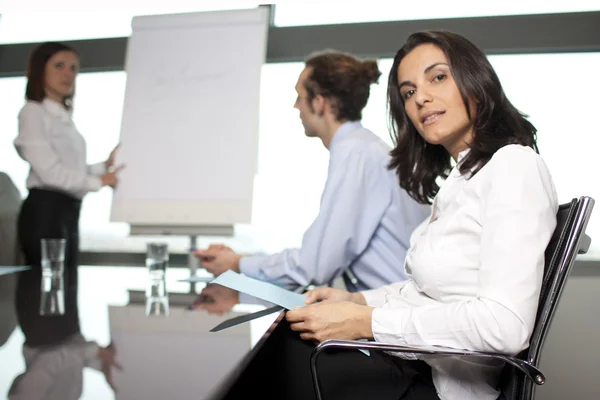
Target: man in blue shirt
[[365, 219]]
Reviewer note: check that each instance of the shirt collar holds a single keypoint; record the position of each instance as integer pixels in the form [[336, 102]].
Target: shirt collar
[[343, 130], [456, 170], [462, 155], [55, 108]]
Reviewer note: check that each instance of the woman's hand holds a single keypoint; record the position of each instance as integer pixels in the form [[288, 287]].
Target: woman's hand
[[328, 294], [110, 178], [107, 356], [332, 320]]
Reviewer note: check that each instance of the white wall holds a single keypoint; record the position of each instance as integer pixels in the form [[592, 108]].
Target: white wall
[[571, 357]]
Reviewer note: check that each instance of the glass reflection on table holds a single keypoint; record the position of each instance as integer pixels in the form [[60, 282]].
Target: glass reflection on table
[[173, 356]]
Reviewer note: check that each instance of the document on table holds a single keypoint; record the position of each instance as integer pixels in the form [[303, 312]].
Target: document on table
[[260, 289]]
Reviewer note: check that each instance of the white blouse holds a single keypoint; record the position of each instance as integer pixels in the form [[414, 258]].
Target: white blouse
[[475, 271], [56, 152]]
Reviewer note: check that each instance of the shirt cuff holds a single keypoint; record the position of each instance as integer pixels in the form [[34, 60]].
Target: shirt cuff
[[98, 169], [378, 297], [251, 266], [374, 297], [91, 356], [93, 183], [386, 324]]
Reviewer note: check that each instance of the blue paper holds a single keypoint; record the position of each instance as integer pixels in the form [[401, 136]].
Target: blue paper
[[9, 269], [264, 290], [260, 289]]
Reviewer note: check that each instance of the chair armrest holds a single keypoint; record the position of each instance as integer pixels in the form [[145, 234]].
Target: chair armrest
[[529, 370], [584, 246]]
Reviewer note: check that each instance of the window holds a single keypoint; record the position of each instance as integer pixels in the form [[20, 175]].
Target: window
[[554, 90], [320, 13], [557, 92], [77, 20]]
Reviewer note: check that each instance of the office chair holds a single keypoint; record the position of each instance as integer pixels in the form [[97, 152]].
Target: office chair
[[10, 254], [521, 371]]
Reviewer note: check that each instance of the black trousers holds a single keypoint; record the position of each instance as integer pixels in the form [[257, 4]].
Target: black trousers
[[281, 370], [47, 214]]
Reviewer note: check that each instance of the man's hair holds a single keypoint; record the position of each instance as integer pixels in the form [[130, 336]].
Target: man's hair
[[344, 79]]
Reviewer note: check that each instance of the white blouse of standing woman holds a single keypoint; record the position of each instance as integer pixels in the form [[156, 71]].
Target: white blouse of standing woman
[[48, 139]]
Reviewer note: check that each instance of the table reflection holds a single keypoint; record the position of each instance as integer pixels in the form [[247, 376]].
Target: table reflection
[[216, 299], [121, 353]]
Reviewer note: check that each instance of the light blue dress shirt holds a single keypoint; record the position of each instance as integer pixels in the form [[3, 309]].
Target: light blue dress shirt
[[364, 224]]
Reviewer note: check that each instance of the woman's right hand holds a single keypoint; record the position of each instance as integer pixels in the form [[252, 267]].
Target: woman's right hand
[[110, 178], [331, 294], [107, 356]]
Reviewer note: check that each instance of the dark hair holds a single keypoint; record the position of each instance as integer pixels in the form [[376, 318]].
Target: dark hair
[[36, 68], [343, 78], [496, 122]]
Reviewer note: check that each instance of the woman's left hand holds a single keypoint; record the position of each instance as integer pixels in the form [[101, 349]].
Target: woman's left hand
[[332, 320]]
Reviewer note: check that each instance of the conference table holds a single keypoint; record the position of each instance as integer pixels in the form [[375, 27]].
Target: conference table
[[174, 356]]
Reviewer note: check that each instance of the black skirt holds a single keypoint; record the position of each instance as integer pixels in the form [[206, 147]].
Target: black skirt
[[47, 214], [281, 370]]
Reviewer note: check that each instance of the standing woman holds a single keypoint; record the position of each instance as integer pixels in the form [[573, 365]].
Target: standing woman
[[58, 179]]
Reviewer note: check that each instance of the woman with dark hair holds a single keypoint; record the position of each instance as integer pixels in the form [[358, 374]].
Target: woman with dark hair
[[494, 122], [475, 266], [58, 179]]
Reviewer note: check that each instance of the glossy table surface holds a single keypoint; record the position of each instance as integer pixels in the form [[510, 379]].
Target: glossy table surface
[[162, 356]]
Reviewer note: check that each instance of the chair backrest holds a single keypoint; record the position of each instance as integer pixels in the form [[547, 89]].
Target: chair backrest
[[10, 205], [10, 254], [568, 240]]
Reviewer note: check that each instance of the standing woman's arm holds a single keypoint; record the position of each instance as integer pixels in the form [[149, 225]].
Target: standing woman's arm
[[34, 146]]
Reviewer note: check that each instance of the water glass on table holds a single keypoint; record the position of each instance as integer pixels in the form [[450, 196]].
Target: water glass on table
[[52, 292], [157, 261]]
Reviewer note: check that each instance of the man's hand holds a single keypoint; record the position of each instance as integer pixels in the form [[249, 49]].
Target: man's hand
[[332, 320], [218, 258], [216, 299]]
